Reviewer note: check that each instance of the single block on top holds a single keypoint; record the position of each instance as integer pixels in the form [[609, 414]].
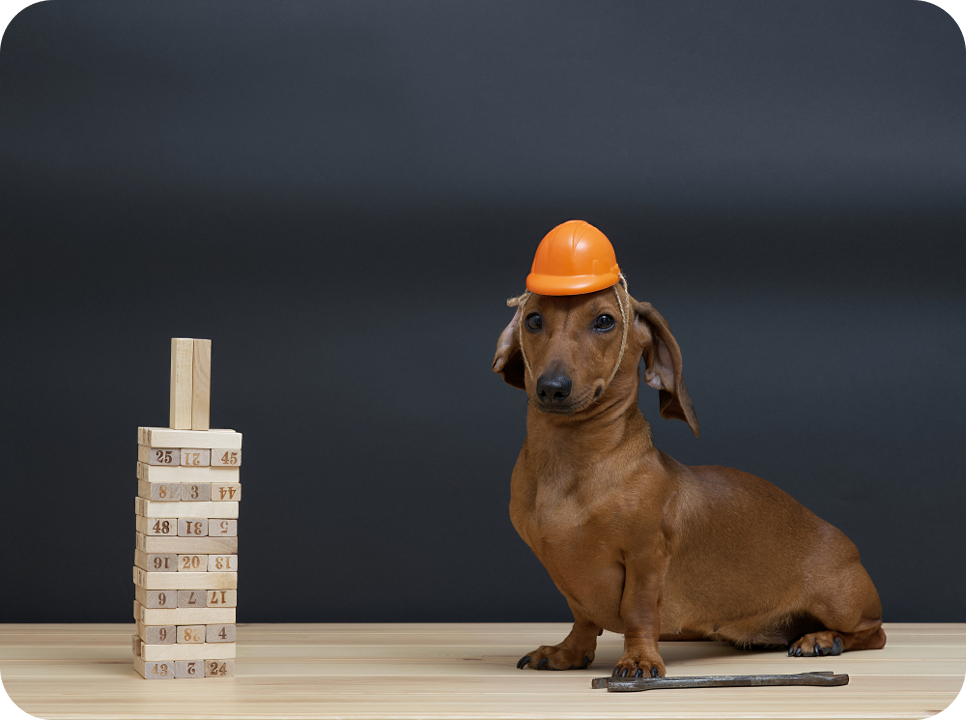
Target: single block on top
[[182, 352]]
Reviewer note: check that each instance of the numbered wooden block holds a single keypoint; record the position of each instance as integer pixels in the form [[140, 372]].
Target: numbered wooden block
[[186, 509], [190, 527], [196, 492], [223, 528], [226, 492], [185, 580], [221, 457], [157, 526], [182, 355], [197, 598], [156, 599], [195, 457], [182, 474], [156, 437], [219, 668], [186, 545], [157, 634], [171, 457], [154, 670], [191, 634], [220, 633], [184, 651], [159, 492], [200, 383], [193, 563], [222, 598], [136, 645], [189, 669], [222, 563], [156, 562]]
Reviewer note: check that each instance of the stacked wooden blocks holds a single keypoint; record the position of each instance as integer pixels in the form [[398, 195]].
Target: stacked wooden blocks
[[186, 552]]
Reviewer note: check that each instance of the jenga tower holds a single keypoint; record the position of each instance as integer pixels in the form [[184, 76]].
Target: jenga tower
[[186, 553]]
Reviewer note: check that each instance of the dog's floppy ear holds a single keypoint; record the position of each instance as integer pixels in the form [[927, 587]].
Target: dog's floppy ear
[[508, 359], [662, 364]]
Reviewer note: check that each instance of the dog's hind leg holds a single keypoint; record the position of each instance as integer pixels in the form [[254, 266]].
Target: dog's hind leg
[[574, 653]]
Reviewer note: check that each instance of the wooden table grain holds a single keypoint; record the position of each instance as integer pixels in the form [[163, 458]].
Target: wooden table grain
[[460, 671]]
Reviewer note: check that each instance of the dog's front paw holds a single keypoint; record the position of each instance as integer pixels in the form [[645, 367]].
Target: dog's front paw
[[556, 657], [819, 643], [635, 666]]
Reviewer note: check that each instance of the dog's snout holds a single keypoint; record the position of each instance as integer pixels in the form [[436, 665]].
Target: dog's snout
[[553, 388]]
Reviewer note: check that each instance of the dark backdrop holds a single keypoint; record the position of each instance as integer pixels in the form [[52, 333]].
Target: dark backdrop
[[343, 194]]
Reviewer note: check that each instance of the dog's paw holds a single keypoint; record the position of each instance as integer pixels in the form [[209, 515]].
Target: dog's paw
[[635, 666], [819, 643], [556, 657]]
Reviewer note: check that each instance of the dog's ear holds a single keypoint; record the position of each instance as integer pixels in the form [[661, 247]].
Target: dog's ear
[[508, 359], [662, 364]]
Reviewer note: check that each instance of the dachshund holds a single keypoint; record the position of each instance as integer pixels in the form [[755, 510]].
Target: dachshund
[[638, 543]]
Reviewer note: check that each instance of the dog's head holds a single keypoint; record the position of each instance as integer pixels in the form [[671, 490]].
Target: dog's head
[[568, 351]]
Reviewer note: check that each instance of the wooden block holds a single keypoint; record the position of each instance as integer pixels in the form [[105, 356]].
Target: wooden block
[[202, 651], [189, 669], [190, 527], [157, 599], [194, 563], [157, 526], [221, 598], [198, 598], [222, 563], [186, 616], [185, 581], [182, 355], [215, 668], [225, 458], [156, 634], [195, 457], [223, 528], [156, 562], [136, 644], [226, 492], [159, 491], [169, 457], [219, 633], [183, 474], [200, 384], [222, 545], [187, 509], [169, 438], [191, 634], [196, 492], [155, 670]]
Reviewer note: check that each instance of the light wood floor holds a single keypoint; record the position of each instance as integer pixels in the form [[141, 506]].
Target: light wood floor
[[459, 671]]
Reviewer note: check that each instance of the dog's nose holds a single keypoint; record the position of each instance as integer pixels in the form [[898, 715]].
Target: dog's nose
[[553, 388]]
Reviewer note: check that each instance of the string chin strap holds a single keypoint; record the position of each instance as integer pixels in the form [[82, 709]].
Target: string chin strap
[[623, 303]]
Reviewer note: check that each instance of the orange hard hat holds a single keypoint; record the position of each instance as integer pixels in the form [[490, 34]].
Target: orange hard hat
[[573, 259]]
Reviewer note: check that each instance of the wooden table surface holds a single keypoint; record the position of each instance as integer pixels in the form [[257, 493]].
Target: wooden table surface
[[460, 671]]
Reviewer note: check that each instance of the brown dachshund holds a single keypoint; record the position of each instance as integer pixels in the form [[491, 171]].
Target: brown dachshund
[[638, 543]]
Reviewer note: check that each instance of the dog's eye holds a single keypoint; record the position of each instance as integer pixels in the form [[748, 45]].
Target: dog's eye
[[604, 322], [534, 321]]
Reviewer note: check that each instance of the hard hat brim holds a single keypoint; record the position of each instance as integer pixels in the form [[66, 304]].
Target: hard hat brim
[[570, 284]]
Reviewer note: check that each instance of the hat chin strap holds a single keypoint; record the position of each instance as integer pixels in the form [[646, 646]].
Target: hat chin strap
[[521, 302]]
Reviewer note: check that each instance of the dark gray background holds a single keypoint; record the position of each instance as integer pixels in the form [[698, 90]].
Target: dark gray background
[[343, 194]]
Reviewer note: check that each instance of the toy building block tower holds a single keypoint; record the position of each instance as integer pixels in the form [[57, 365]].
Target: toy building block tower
[[186, 552]]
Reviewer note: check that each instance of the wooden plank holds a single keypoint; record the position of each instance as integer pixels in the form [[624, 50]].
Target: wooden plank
[[156, 634], [222, 598], [196, 492], [222, 563], [198, 598], [192, 527], [219, 668], [182, 354], [226, 492], [154, 670], [159, 491], [156, 562], [185, 616], [169, 457], [186, 509], [168, 438], [204, 651], [225, 458], [189, 669], [157, 599], [194, 563], [219, 633], [166, 526], [136, 643], [185, 580], [200, 383], [191, 634], [197, 457], [182, 474], [222, 545], [223, 528]]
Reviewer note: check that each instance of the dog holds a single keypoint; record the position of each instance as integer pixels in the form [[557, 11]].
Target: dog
[[638, 543]]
